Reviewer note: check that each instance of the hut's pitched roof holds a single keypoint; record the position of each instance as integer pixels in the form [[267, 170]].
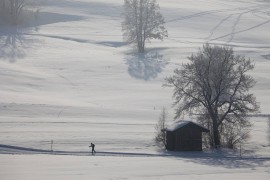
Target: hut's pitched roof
[[182, 123]]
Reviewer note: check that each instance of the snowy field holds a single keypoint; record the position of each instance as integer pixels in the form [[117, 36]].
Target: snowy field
[[70, 78], [78, 167]]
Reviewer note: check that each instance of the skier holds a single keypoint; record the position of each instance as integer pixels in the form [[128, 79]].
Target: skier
[[93, 148]]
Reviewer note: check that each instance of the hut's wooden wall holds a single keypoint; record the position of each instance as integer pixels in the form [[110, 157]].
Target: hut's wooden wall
[[188, 138]]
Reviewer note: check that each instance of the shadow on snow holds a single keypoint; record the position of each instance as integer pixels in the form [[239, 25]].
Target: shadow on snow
[[145, 66], [91, 8], [220, 158], [16, 41], [266, 56], [214, 158]]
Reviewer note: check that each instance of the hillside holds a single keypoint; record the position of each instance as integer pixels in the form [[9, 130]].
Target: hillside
[[70, 78]]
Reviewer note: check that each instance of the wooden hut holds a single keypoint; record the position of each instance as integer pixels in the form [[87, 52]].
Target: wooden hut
[[184, 136]]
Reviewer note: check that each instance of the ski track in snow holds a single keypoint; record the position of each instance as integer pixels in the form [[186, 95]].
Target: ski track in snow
[[234, 31], [204, 13], [252, 9], [217, 26], [7, 149], [240, 31]]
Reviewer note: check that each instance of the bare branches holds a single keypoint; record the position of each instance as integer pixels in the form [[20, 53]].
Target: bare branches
[[160, 127], [142, 21], [11, 10]]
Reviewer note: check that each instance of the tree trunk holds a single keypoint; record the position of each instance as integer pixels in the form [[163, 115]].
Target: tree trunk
[[4, 4], [140, 38], [214, 117], [216, 134], [140, 47]]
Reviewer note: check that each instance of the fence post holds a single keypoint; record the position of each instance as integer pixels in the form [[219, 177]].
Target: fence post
[[240, 150], [51, 146]]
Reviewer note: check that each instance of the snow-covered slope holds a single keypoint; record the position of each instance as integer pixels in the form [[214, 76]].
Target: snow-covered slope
[[71, 78], [96, 167]]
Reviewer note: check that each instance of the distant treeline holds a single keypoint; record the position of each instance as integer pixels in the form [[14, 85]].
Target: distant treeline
[[248, 115]]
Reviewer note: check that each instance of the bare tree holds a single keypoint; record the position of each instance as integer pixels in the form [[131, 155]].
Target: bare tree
[[12, 10], [16, 7], [215, 82], [3, 4], [3, 10], [160, 127], [142, 21]]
